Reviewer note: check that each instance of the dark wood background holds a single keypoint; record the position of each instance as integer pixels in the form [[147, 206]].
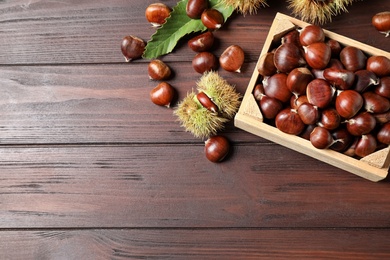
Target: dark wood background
[[91, 169]]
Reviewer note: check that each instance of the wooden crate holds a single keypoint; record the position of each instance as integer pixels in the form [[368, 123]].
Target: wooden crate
[[373, 167]]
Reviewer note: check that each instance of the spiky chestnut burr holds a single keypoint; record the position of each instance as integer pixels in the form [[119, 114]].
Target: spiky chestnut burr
[[198, 119], [318, 11], [222, 93], [245, 6]]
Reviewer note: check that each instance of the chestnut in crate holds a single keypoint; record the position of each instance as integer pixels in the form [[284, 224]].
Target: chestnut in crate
[[340, 114]]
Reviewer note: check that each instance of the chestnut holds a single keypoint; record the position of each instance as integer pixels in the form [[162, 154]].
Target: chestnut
[[132, 47], [258, 91], [266, 66], [308, 113], [374, 103], [162, 94], [353, 58], [232, 58], [383, 134], [158, 70], [363, 79], [202, 42], [310, 34], [212, 19], [381, 21], [342, 139], [195, 8], [216, 148], [275, 86], [157, 13], [317, 55], [340, 78], [365, 145], [348, 103], [330, 119], [335, 47], [292, 37], [361, 124], [206, 102], [319, 93], [288, 121], [321, 138], [287, 57], [298, 79], [204, 61], [383, 88], [380, 65], [296, 102], [270, 107]]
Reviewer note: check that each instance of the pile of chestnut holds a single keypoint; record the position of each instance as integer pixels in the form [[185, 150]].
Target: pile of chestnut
[[336, 96]]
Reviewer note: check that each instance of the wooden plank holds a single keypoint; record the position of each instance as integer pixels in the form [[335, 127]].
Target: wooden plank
[[175, 186], [195, 244], [64, 32], [96, 104]]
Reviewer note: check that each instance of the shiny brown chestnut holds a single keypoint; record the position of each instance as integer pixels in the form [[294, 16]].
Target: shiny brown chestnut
[[340, 78], [319, 93], [381, 21], [317, 55], [298, 79], [383, 134], [205, 61], [216, 148], [374, 103], [288, 121], [157, 13], [353, 58], [364, 79], [365, 145], [195, 8], [270, 107], [206, 102], [383, 88], [330, 119], [361, 124], [162, 94], [158, 70], [275, 86], [287, 57], [378, 64], [308, 113], [258, 91], [348, 103], [212, 19], [335, 47], [342, 139], [311, 34], [202, 42], [132, 47], [321, 138], [232, 58], [266, 66]]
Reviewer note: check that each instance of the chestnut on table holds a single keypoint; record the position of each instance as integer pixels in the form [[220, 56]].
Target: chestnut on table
[[91, 168]]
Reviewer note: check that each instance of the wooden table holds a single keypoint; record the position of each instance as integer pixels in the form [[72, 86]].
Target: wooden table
[[91, 169]]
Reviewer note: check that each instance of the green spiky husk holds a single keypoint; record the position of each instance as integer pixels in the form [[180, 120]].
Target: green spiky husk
[[245, 6], [196, 119], [318, 11], [221, 92]]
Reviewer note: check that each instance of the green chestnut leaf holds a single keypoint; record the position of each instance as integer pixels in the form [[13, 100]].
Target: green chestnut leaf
[[177, 25]]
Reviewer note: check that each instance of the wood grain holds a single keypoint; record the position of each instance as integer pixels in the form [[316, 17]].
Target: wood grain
[[96, 104], [91, 169], [195, 244], [74, 32], [146, 186]]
